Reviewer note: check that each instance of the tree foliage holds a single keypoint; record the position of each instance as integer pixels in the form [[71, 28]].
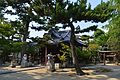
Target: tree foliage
[[100, 37], [25, 12], [65, 50], [114, 27]]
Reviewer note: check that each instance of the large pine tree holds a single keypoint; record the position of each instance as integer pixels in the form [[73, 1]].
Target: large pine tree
[[66, 13]]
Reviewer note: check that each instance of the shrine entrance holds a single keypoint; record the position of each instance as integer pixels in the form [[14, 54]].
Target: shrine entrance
[[109, 56]]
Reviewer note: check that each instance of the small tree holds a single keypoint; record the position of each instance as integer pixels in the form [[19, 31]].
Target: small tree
[[65, 50]]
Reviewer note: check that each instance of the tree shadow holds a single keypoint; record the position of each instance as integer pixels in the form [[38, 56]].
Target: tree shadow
[[42, 74]]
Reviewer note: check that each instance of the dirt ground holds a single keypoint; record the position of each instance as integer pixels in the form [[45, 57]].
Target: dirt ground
[[113, 73]]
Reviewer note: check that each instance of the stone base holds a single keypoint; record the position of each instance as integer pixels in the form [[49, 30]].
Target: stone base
[[23, 65]]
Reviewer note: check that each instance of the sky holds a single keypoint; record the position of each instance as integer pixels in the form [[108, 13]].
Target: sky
[[82, 24]]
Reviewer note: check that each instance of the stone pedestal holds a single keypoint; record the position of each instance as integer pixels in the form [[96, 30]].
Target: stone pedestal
[[13, 64], [57, 66]]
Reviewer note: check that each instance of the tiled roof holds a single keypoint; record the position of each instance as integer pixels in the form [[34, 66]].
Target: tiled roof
[[63, 36]]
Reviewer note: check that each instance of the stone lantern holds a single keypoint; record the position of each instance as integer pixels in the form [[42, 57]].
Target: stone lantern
[[13, 61], [50, 63], [24, 62]]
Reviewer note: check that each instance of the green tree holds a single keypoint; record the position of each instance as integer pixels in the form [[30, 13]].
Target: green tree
[[100, 37], [6, 32], [66, 13], [65, 50], [114, 27], [24, 10]]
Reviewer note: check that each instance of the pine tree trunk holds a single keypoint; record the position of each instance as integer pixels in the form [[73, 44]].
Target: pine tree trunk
[[73, 50]]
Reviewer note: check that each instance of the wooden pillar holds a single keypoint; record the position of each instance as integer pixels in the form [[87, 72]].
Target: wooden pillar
[[104, 58], [116, 58], [46, 55]]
